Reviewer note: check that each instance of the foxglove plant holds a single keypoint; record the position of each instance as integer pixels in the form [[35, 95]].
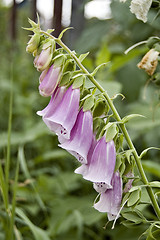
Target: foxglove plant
[[91, 139]]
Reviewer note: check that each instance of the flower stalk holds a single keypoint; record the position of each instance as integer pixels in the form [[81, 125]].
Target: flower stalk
[[118, 119]]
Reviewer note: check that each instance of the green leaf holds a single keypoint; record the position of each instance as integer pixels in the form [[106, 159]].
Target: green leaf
[[111, 131], [154, 184], [134, 198], [146, 150], [128, 155], [65, 78], [38, 233], [133, 217], [99, 108], [97, 68], [88, 104], [78, 81], [61, 34], [83, 56], [129, 117]]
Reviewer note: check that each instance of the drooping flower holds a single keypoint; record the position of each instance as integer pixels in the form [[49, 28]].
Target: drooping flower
[[101, 166], [110, 200], [50, 81], [55, 100], [140, 8], [81, 137], [62, 118], [149, 61]]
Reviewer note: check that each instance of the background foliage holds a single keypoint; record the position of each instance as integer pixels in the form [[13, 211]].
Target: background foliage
[[52, 202]]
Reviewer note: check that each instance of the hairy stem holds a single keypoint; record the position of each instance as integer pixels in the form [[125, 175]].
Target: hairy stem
[[118, 118]]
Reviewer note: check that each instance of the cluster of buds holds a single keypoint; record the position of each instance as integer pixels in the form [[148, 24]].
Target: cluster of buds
[[73, 116]]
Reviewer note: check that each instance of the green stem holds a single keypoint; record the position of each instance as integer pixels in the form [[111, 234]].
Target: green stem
[[118, 118]]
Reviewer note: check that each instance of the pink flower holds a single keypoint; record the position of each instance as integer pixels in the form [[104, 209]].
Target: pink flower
[[49, 81], [81, 137]]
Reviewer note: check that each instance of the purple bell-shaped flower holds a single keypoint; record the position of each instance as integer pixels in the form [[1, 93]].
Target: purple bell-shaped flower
[[62, 118], [101, 166], [55, 100], [50, 81], [110, 200], [81, 137]]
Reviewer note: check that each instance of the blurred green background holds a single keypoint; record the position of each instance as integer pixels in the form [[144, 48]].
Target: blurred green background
[[56, 202]]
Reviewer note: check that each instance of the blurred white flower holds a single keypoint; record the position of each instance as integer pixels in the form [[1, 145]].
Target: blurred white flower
[[149, 62], [140, 8]]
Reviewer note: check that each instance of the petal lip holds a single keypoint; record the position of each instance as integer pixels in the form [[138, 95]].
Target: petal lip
[[110, 201], [62, 120], [81, 137], [102, 164]]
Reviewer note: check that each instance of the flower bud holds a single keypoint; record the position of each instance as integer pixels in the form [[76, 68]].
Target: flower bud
[[43, 60], [49, 82], [33, 43]]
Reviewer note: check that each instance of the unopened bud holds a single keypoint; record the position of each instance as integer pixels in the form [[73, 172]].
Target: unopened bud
[[45, 57], [33, 43]]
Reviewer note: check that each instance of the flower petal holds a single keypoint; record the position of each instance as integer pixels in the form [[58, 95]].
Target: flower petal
[[81, 137], [110, 200], [50, 81], [102, 164], [63, 118]]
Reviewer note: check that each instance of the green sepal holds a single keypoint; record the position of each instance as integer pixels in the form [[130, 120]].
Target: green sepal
[[151, 41], [50, 30], [146, 150], [61, 34], [69, 66], [98, 125], [100, 107], [157, 47], [129, 117], [119, 141], [65, 79], [134, 198], [83, 56], [88, 103], [111, 131], [59, 60], [79, 80], [119, 160]]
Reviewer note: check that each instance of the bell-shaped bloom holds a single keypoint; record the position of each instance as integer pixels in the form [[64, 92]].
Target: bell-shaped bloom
[[55, 100], [101, 166], [140, 8], [62, 118], [50, 81], [81, 137], [110, 200]]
